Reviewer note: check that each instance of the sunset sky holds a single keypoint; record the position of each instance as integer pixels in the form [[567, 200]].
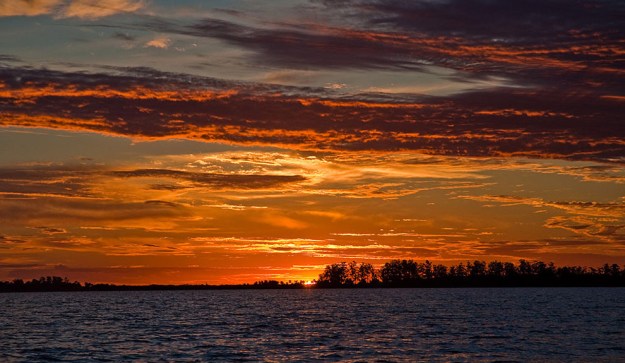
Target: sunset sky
[[153, 141]]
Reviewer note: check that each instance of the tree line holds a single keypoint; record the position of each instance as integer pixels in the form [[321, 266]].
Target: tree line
[[47, 283], [56, 283], [395, 273], [410, 273]]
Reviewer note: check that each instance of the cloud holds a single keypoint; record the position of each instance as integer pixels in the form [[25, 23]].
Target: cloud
[[143, 103], [481, 35], [606, 211], [214, 181], [46, 180], [84, 9], [535, 44], [93, 9], [5, 58], [309, 208], [302, 47], [83, 182], [123, 36], [591, 221], [28, 7], [54, 210], [354, 184], [592, 228], [319, 248], [51, 230], [8, 242], [159, 42]]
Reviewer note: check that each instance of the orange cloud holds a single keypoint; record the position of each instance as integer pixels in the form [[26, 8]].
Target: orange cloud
[[28, 7], [159, 42], [84, 9], [94, 9]]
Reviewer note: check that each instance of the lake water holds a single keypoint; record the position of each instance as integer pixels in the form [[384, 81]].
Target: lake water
[[516, 324]]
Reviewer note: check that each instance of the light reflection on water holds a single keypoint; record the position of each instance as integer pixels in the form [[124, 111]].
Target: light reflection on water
[[554, 324]]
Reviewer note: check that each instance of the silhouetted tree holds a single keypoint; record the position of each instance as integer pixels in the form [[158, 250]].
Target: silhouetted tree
[[334, 275], [477, 269], [347, 274], [525, 268], [439, 272], [427, 270], [510, 271], [408, 273], [460, 272], [615, 271], [366, 274], [496, 269], [400, 273]]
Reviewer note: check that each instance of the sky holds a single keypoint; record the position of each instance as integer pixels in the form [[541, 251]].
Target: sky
[[152, 141]]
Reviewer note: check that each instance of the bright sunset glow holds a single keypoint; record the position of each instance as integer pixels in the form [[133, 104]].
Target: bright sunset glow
[[229, 142]]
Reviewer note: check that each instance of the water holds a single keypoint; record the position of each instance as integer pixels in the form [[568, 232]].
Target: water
[[523, 324]]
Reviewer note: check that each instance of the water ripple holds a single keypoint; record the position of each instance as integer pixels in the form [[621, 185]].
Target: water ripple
[[372, 325]]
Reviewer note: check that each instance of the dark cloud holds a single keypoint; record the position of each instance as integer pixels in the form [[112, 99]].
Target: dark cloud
[[214, 180], [145, 103], [170, 187], [297, 48], [70, 211], [51, 230], [546, 43], [162, 203], [123, 36], [556, 46], [8, 242], [5, 58], [605, 228], [46, 179], [82, 181], [20, 266], [519, 21]]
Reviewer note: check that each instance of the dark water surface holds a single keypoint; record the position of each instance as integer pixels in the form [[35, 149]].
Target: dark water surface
[[522, 324]]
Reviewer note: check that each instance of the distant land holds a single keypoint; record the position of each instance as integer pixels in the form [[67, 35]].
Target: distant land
[[395, 273]]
